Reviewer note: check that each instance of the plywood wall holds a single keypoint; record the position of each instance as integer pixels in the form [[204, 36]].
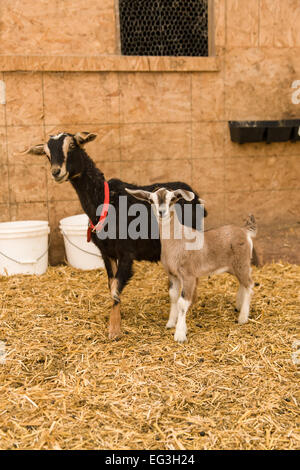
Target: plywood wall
[[154, 126]]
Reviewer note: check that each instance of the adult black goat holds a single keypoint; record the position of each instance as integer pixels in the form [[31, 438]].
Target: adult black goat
[[70, 162]]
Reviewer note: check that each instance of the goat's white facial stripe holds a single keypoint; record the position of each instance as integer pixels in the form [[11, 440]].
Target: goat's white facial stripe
[[66, 145], [65, 148], [168, 199], [58, 154]]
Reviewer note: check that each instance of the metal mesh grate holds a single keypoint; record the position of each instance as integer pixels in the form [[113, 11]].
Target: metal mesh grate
[[164, 27]]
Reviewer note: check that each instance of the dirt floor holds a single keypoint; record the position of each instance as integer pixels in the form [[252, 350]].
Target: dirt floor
[[64, 385]]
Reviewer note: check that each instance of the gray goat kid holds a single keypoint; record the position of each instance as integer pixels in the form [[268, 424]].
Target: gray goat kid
[[225, 249]]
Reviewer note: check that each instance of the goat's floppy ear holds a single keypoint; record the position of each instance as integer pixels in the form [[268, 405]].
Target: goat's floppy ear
[[182, 193], [36, 150], [83, 138], [139, 194]]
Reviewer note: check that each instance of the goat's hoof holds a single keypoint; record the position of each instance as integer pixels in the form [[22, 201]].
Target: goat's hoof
[[170, 325], [114, 334], [180, 337], [242, 321]]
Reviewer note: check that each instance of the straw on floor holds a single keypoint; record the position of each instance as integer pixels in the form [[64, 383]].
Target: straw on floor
[[64, 385]]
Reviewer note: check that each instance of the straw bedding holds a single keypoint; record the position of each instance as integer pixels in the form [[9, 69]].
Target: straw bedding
[[64, 385]]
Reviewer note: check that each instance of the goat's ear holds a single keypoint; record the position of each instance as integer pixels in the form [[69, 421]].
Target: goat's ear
[[182, 193], [139, 194], [36, 150], [83, 138]]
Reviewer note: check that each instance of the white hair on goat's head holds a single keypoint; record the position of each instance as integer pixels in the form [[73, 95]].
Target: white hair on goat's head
[[57, 136], [162, 199]]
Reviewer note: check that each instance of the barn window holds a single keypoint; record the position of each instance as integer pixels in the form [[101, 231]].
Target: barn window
[[164, 27]]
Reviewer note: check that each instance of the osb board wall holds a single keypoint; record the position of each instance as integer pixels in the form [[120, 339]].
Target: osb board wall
[[154, 126], [68, 27]]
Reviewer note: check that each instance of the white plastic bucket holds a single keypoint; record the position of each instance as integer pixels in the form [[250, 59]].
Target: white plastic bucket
[[24, 247], [80, 253]]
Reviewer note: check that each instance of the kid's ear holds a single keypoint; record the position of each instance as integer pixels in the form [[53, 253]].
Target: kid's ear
[[139, 194], [183, 194]]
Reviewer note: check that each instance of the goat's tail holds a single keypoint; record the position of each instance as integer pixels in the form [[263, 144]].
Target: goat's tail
[[251, 226]]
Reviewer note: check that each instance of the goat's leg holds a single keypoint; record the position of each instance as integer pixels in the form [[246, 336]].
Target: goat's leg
[[245, 297], [239, 297], [114, 266], [183, 304], [195, 294], [111, 267], [174, 292], [244, 293], [123, 274]]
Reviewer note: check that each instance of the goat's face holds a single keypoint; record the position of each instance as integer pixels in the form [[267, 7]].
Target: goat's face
[[64, 151], [162, 199]]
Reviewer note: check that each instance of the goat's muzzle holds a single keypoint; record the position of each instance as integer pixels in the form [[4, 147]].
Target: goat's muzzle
[[55, 172], [162, 213], [58, 177]]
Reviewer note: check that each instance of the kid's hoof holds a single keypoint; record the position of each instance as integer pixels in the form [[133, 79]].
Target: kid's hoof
[[180, 337], [170, 325]]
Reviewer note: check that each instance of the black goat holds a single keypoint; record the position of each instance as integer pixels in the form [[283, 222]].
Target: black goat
[[70, 162]]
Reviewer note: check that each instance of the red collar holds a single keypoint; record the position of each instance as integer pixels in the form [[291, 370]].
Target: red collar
[[104, 212]]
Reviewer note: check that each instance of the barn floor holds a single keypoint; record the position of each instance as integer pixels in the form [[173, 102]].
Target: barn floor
[[64, 385]]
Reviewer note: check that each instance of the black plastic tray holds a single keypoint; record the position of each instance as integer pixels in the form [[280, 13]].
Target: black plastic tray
[[265, 131]]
